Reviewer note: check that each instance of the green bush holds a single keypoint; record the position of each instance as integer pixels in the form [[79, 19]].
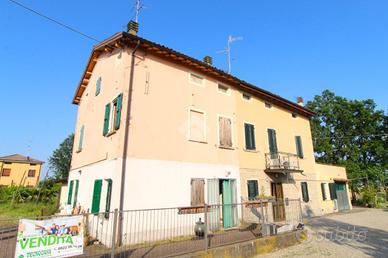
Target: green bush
[[368, 194]]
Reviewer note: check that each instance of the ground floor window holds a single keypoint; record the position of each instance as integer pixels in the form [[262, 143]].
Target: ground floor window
[[102, 189], [305, 192], [333, 193], [197, 191], [323, 189], [253, 189]]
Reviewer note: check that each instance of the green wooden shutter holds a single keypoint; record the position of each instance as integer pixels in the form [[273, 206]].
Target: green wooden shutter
[[323, 191], [119, 101], [106, 120], [305, 192], [253, 190], [108, 197], [273, 149], [299, 149], [98, 86], [81, 138], [96, 196], [75, 193], [333, 194], [249, 137], [70, 192]]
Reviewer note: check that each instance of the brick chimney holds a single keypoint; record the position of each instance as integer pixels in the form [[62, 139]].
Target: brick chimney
[[132, 27]]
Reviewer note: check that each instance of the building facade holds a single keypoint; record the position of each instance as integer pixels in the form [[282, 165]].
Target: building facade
[[156, 128], [19, 170]]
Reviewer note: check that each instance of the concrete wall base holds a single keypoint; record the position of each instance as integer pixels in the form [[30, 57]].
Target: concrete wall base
[[252, 248]]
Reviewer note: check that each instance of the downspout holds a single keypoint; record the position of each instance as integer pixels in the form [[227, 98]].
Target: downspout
[[125, 147]]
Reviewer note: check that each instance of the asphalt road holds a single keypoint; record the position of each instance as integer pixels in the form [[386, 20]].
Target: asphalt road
[[358, 233]]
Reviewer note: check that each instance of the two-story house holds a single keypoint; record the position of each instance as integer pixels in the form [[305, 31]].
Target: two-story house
[[19, 170], [157, 128]]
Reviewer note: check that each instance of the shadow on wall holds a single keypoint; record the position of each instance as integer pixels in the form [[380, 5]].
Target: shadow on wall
[[372, 242], [308, 212]]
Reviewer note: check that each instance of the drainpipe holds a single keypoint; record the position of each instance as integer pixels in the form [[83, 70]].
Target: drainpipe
[[125, 147]]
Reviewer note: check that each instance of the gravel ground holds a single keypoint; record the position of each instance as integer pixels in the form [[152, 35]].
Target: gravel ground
[[358, 233]]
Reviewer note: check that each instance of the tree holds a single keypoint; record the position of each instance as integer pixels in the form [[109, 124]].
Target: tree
[[60, 160], [351, 133]]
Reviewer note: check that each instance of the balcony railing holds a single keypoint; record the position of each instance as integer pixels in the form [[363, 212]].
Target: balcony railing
[[282, 162]]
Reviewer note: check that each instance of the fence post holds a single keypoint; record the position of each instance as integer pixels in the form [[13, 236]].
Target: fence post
[[206, 231], [112, 255]]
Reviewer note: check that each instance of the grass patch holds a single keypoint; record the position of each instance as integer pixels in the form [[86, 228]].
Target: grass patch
[[24, 210]]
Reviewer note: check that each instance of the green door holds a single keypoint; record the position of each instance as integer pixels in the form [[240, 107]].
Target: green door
[[228, 214]]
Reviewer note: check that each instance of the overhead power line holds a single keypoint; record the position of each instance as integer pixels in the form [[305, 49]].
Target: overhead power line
[[54, 20], [354, 136]]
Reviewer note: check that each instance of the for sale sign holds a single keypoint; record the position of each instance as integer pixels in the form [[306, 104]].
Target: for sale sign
[[57, 237]]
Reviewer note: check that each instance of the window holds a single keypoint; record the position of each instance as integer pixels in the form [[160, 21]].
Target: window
[[253, 189], [197, 79], [246, 96], [268, 105], [112, 116], [223, 89], [81, 138], [305, 192], [6, 172], [96, 196], [98, 86], [299, 149], [225, 132], [197, 126], [108, 197], [70, 192], [294, 115], [197, 192], [333, 193], [249, 136], [273, 146], [31, 173], [323, 189]]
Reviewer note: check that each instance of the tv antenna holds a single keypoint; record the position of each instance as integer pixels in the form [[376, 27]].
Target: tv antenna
[[227, 51], [138, 7]]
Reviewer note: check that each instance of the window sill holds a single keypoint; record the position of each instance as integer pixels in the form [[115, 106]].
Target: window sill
[[78, 151], [110, 133], [226, 147], [252, 151], [204, 142]]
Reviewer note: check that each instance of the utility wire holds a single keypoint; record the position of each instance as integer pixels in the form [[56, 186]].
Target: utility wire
[[53, 20], [354, 136]]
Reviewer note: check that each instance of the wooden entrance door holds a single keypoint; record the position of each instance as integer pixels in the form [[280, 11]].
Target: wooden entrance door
[[279, 213]]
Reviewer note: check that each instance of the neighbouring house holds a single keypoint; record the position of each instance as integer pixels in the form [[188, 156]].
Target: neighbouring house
[[157, 128], [19, 170]]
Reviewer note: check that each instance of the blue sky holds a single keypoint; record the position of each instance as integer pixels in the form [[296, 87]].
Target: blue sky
[[292, 48]]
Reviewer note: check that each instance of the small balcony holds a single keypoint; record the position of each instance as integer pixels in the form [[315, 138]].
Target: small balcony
[[282, 162]]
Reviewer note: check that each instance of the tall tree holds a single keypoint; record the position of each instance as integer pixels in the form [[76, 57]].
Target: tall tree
[[351, 133], [60, 160]]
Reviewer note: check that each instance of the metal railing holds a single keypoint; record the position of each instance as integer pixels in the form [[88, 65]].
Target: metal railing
[[282, 161], [171, 231]]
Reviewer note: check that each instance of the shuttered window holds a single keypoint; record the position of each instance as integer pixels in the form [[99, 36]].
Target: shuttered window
[[253, 189], [333, 193], [273, 147], [305, 191], [70, 192], [108, 197], [225, 132], [117, 115], [324, 197], [96, 196], [106, 120], [197, 192], [98, 86], [75, 193], [197, 126], [81, 138], [299, 149], [250, 143], [6, 172]]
